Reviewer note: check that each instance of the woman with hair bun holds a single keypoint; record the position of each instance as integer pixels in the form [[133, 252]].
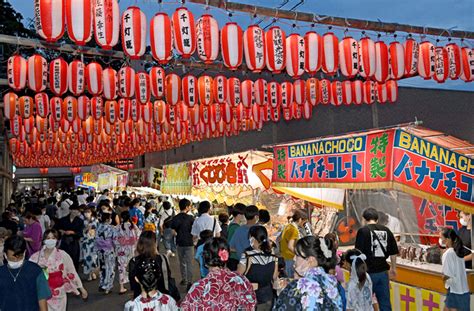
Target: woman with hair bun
[[221, 289], [313, 288], [260, 266], [147, 275]]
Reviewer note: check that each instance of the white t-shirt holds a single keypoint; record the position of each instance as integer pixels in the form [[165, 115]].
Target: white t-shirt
[[44, 221], [453, 267], [395, 226], [205, 222], [81, 199]]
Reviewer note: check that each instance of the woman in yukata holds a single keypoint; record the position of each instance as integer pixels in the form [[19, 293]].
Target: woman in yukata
[[104, 244], [88, 251]]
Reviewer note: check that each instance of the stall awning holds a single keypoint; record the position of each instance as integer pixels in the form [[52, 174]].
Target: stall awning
[[320, 196], [420, 161]]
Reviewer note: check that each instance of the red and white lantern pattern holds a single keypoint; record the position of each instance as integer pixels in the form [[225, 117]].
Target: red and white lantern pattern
[[247, 93], [412, 51], [349, 57], [79, 20], [42, 104], [313, 52], [381, 62], [94, 78], [106, 23], [299, 87], [467, 58], [111, 111], [147, 112], [157, 82], [49, 19], [190, 93], [205, 90], [369, 92], [56, 108], [10, 105], [295, 60], [126, 82], [307, 110], [83, 107], [37, 73], [347, 92], [159, 111], [133, 32], [287, 94], [382, 95], [58, 76], [110, 81], [69, 108], [336, 93], [260, 92], [25, 106], [184, 32], [454, 60], [396, 53], [97, 107], [392, 91], [312, 91], [330, 53], [234, 95], [274, 94], [275, 51], [76, 77], [357, 92], [172, 89], [366, 57], [161, 38], [232, 45], [441, 70], [142, 85], [325, 90], [16, 72], [220, 89], [124, 109], [254, 48], [207, 38], [426, 60], [29, 124]]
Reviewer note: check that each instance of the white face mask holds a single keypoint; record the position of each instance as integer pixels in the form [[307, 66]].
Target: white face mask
[[50, 243], [441, 242], [15, 264], [463, 222]]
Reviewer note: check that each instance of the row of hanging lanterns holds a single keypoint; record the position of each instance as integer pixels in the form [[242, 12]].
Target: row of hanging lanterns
[[272, 50]]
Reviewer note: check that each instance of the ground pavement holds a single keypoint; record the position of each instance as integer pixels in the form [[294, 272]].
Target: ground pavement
[[113, 301]]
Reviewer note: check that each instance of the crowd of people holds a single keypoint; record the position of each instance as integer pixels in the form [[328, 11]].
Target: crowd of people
[[51, 240]]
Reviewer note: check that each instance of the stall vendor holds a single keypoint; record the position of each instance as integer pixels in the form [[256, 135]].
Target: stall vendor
[[465, 235]]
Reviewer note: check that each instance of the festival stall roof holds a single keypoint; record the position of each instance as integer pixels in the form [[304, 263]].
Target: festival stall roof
[[410, 158]]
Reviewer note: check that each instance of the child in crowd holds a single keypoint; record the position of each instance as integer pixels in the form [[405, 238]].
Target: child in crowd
[[359, 288], [204, 236], [224, 220]]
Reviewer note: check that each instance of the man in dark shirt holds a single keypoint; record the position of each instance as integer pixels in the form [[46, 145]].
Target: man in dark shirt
[[71, 228], [8, 223], [378, 243], [182, 225], [465, 235]]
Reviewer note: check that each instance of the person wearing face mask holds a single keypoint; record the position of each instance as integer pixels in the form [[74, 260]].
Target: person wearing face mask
[[104, 243], [465, 235], [260, 267], [314, 288], [32, 234], [87, 242], [23, 285], [71, 228], [62, 277], [289, 236]]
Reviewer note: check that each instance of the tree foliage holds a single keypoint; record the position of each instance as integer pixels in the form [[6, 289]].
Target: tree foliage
[[11, 22]]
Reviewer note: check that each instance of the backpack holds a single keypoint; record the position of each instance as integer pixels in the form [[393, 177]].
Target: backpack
[[168, 220]]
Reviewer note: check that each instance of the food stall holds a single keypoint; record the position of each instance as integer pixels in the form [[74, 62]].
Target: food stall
[[400, 162], [109, 177], [145, 181]]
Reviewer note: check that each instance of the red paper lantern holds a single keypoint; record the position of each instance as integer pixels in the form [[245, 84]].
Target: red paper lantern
[[312, 91], [10, 105], [346, 92], [349, 57], [366, 58], [76, 77], [65, 126], [94, 78], [275, 51], [70, 108], [295, 59], [37, 73], [83, 107], [58, 76], [184, 32], [227, 113], [296, 111], [43, 170], [79, 20], [247, 93], [123, 109], [133, 32], [382, 95], [172, 89], [234, 91], [215, 112], [256, 113], [110, 82], [194, 115], [220, 89], [147, 112], [325, 91], [467, 58], [412, 50], [441, 70], [106, 23], [189, 86], [111, 111], [274, 94], [49, 19], [392, 91], [381, 62], [369, 92], [275, 114], [207, 38], [161, 39], [454, 60], [42, 104], [397, 60], [307, 110], [76, 126], [426, 60], [16, 125], [336, 93], [299, 87], [135, 110], [25, 106], [171, 115], [183, 112], [313, 52], [126, 82], [56, 108], [357, 92], [16, 72], [88, 125], [157, 82], [159, 111], [97, 107], [330, 53], [254, 48], [29, 124], [286, 94], [142, 85], [260, 92], [231, 44], [205, 83]]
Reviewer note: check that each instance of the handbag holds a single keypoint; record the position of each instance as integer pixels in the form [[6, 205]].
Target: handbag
[[170, 283]]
